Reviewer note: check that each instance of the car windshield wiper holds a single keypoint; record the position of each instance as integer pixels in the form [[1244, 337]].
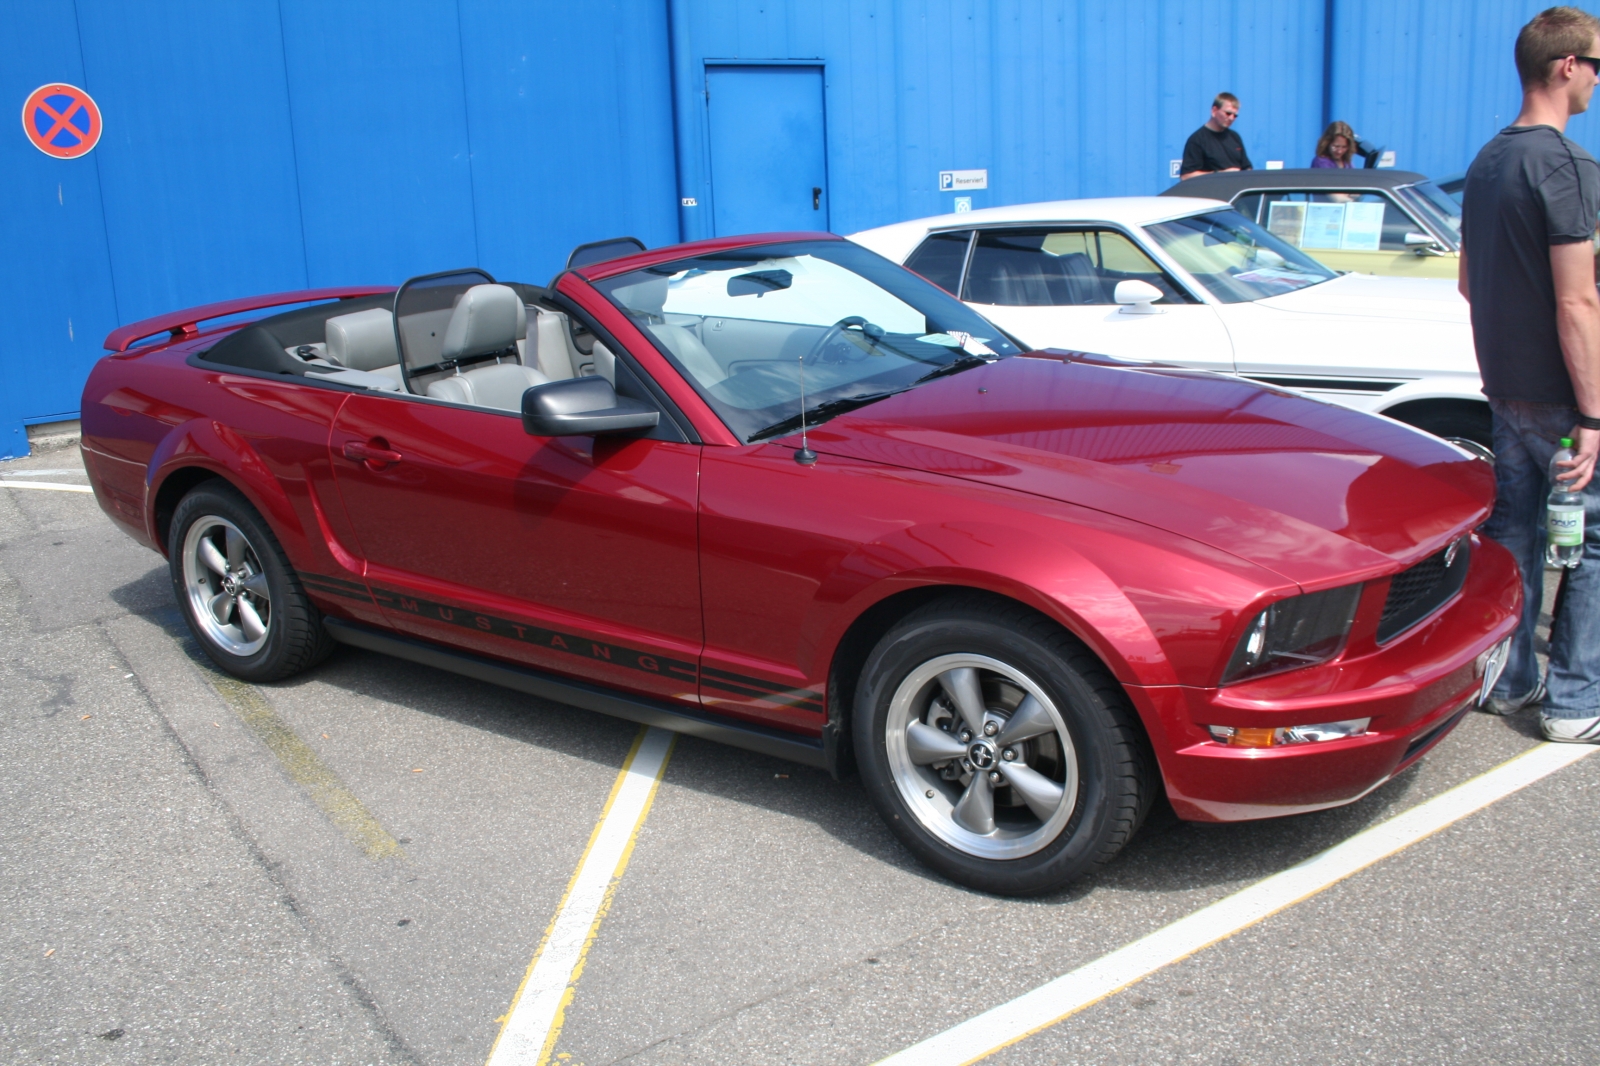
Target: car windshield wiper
[[820, 413], [966, 362]]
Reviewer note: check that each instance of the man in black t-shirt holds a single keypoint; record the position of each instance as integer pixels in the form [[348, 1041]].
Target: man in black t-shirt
[[1528, 270], [1215, 147]]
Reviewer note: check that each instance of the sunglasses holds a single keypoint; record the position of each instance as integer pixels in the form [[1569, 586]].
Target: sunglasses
[[1593, 61]]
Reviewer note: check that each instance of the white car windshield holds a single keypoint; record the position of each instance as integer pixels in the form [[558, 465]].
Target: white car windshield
[[754, 329], [1235, 259]]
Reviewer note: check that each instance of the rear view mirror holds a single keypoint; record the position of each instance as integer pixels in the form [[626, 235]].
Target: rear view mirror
[[1137, 297], [759, 282], [582, 407]]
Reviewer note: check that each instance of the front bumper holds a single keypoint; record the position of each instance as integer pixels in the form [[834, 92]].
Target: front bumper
[[1415, 690]]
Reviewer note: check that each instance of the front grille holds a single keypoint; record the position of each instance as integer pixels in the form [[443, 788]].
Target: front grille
[[1417, 592]]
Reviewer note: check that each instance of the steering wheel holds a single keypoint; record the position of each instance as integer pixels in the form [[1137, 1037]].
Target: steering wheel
[[852, 353]]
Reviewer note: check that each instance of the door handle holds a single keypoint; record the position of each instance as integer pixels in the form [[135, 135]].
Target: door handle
[[816, 198], [375, 452]]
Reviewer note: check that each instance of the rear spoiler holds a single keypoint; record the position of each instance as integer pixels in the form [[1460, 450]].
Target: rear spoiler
[[187, 323]]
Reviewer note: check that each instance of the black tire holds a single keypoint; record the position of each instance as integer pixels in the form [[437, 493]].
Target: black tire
[[291, 636], [1116, 780], [1465, 422]]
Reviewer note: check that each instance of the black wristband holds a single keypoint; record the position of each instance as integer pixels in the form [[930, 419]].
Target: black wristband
[[1586, 422]]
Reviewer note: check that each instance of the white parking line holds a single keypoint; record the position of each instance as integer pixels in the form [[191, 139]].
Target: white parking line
[[52, 486], [982, 1036], [534, 1022]]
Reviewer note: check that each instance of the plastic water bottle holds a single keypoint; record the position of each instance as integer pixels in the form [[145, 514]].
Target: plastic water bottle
[[1565, 511]]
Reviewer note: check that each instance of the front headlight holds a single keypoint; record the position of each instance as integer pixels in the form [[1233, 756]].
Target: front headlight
[[1297, 631]]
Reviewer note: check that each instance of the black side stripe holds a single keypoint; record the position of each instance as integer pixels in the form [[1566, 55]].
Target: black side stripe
[[1339, 384], [332, 586], [759, 688], [570, 643]]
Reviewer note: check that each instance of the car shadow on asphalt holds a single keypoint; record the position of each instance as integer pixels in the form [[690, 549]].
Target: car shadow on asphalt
[[1166, 855]]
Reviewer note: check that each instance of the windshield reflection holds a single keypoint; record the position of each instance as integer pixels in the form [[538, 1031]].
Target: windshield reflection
[[1235, 259], [755, 329]]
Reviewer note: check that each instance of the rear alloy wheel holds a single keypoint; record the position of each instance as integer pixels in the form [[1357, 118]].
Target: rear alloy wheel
[[238, 593], [998, 749]]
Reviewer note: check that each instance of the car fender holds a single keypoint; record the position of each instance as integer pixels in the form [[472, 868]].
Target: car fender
[[210, 445], [1435, 387], [1019, 564]]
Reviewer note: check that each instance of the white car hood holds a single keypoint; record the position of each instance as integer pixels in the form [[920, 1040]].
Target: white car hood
[[1372, 296]]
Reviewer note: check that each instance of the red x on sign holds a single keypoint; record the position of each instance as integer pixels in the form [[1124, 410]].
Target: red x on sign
[[61, 120]]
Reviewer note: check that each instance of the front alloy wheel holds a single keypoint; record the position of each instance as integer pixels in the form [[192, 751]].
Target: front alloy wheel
[[998, 748], [981, 756]]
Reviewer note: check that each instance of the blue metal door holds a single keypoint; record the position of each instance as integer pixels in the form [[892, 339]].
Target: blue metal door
[[768, 152]]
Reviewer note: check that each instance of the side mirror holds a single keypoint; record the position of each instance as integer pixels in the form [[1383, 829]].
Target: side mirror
[[582, 407], [1422, 244], [1137, 297]]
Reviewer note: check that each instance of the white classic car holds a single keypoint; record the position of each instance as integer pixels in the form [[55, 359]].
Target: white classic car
[[1195, 283]]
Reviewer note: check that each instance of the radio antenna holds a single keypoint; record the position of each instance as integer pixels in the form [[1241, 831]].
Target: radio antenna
[[805, 456]]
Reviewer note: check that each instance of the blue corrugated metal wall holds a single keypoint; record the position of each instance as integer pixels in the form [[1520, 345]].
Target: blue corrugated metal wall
[[263, 145], [1433, 79], [1055, 99]]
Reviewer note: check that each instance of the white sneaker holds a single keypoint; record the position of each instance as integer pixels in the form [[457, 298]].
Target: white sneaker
[[1571, 730], [1505, 707]]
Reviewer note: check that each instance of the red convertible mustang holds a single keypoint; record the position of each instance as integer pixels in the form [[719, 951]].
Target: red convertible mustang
[[780, 492]]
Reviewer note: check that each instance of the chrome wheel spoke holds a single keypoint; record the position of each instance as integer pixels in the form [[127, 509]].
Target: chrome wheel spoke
[[926, 745], [1028, 721], [235, 547], [221, 608], [229, 598], [974, 812], [211, 557], [1041, 794], [256, 585], [961, 685], [249, 621]]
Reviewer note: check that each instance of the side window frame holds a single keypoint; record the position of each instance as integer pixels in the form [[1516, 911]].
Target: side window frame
[[1178, 284], [1389, 198], [966, 257]]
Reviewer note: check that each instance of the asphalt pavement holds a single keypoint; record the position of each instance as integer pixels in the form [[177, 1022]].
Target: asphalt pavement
[[357, 866]]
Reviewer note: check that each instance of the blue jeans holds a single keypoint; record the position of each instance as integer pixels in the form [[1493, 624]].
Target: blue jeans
[[1526, 437]]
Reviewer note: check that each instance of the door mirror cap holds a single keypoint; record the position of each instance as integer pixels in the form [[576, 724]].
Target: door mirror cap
[[1423, 244], [1137, 297], [586, 406]]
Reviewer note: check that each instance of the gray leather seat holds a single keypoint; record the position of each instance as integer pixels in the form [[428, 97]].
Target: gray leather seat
[[363, 340], [486, 321], [650, 297], [498, 385]]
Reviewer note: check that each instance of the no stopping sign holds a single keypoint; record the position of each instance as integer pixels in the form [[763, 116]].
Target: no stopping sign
[[61, 120]]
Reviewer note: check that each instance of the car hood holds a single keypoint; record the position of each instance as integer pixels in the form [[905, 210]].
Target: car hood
[[1319, 494], [1376, 296]]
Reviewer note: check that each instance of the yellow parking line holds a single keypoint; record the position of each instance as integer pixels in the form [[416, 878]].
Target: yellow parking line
[[539, 1007], [307, 769]]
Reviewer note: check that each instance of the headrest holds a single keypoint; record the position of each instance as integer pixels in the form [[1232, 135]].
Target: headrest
[[363, 340], [646, 297], [484, 322]]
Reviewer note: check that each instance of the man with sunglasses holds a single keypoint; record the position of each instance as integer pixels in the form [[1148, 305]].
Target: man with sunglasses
[[1215, 146], [1528, 269]]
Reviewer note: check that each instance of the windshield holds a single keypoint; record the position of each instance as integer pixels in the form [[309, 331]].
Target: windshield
[[751, 328], [1437, 207], [1235, 259]]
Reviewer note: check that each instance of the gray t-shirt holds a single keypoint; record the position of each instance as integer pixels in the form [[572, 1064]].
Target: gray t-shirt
[[1529, 188]]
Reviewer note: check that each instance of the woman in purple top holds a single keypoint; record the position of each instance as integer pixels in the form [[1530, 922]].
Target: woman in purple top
[[1337, 148]]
